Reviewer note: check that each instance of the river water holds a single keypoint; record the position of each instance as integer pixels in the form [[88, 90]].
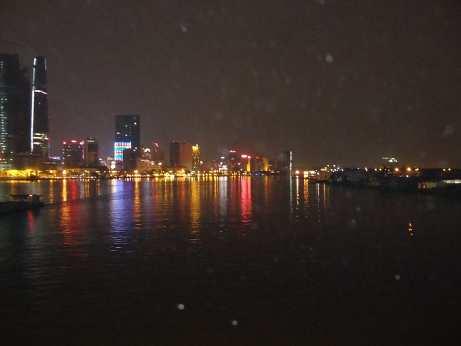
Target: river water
[[228, 261]]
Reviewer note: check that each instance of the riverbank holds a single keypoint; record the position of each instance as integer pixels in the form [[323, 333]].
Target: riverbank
[[436, 182]]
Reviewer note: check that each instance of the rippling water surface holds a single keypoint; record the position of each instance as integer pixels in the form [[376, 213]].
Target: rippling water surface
[[228, 261]]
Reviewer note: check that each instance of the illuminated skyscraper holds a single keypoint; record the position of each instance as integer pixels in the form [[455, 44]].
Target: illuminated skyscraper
[[181, 155], [91, 152], [8, 63], [73, 153], [13, 108], [39, 141], [196, 157], [127, 134]]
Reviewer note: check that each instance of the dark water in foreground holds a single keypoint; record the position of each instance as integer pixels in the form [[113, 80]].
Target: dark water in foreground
[[228, 261]]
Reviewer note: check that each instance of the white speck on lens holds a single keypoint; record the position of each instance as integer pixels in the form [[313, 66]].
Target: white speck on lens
[[448, 131], [180, 306], [234, 323], [397, 277], [183, 27], [329, 58]]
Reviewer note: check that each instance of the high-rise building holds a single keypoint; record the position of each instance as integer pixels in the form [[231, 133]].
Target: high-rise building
[[73, 153], [13, 108], [181, 155], [91, 152], [259, 164], [245, 163], [285, 162], [39, 140], [127, 134], [196, 157], [157, 153], [234, 163], [131, 158]]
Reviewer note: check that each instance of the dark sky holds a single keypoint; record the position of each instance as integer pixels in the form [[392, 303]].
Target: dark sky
[[336, 80]]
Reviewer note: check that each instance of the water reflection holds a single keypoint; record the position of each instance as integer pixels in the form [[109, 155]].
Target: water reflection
[[30, 221], [140, 234], [245, 200], [64, 191], [266, 191], [306, 192], [136, 211], [195, 210], [223, 197], [161, 206], [121, 213]]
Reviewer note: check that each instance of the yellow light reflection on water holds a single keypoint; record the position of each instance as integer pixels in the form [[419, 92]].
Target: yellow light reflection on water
[[64, 190], [195, 212]]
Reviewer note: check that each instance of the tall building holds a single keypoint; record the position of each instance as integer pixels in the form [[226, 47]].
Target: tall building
[[130, 159], [39, 140], [285, 162], [127, 134], [181, 155], [234, 163], [73, 153], [157, 154], [91, 152], [259, 164], [245, 163], [13, 108], [196, 157]]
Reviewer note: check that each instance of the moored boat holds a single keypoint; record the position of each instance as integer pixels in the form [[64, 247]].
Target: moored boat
[[21, 202]]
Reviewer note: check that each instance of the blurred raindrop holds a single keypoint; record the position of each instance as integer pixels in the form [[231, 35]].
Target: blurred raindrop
[[329, 58]]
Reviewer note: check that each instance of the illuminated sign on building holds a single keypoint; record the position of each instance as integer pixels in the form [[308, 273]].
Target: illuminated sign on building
[[119, 147]]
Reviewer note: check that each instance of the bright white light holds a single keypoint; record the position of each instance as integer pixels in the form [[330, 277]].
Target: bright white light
[[32, 108]]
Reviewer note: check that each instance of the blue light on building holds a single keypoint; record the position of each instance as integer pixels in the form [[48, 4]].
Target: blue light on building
[[119, 147]]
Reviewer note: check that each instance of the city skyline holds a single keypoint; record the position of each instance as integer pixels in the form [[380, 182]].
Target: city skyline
[[333, 82]]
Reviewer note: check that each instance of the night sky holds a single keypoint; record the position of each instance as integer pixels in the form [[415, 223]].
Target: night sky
[[335, 80]]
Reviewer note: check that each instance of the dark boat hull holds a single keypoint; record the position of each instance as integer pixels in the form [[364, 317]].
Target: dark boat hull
[[17, 206]]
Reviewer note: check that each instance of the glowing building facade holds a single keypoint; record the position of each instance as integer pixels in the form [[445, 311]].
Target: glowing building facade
[[196, 158], [127, 134], [39, 140], [13, 109], [8, 63]]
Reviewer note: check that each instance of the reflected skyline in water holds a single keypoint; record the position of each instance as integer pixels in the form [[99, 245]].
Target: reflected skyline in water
[[249, 249], [140, 204]]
